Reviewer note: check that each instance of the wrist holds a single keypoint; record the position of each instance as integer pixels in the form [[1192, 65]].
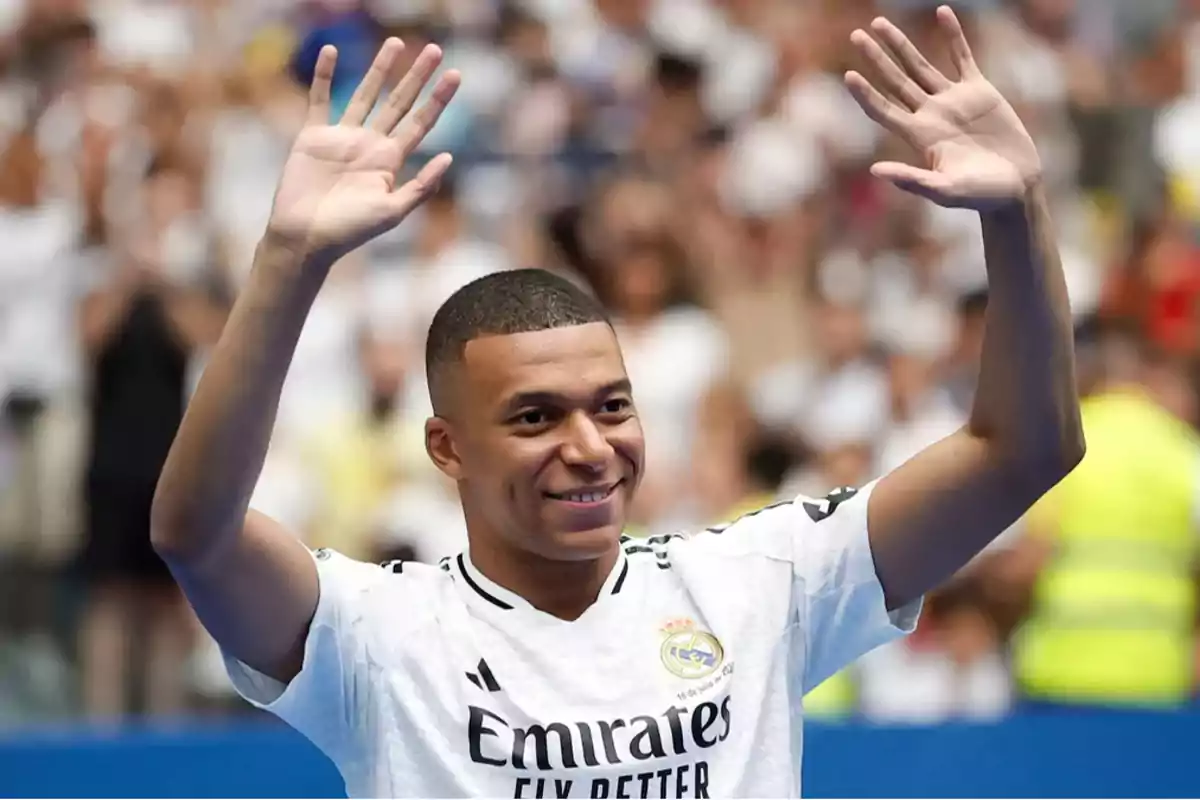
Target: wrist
[[289, 253], [1017, 208]]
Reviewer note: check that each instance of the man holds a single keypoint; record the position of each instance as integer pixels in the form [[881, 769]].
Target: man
[[1109, 555], [555, 658]]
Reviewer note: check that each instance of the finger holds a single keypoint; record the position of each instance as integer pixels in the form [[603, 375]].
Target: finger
[[417, 190], [927, 76], [893, 79], [318, 93], [960, 51], [924, 182], [876, 106], [367, 94], [418, 126], [401, 99]]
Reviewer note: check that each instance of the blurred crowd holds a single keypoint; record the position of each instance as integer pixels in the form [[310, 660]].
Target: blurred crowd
[[791, 325]]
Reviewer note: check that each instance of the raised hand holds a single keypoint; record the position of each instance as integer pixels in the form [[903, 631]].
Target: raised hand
[[338, 189], [977, 152]]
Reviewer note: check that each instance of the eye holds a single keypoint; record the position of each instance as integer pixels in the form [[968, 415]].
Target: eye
[[616, 405], [531, 418]]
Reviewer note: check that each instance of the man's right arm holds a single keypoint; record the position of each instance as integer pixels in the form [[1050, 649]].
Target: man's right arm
[[252, 582]]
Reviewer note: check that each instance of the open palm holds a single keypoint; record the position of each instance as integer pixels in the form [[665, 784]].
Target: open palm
[[339, 188], [977, 152]]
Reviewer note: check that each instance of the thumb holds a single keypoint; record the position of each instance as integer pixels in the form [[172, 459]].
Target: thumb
[[909, 178]]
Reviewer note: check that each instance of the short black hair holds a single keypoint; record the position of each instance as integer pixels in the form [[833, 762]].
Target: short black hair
[[499, 304]]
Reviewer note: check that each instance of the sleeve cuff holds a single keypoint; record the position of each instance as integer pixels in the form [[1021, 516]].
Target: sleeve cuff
[[268, 694], [904, 619], [890, 624], [257, 689], [897, 622]]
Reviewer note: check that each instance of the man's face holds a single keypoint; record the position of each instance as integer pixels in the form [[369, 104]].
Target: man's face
[[546, 446]]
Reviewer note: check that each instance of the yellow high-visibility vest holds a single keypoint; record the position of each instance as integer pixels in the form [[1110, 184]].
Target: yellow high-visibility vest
[[1113, 610], [835, 698]]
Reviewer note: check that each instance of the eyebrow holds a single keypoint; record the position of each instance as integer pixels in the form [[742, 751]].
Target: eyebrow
[[548, 398]]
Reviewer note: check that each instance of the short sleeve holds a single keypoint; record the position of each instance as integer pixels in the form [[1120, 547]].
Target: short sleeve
[[321, 701], [836, 602], [836, 586]]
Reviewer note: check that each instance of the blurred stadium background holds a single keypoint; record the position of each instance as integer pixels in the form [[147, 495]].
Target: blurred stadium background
[[790, 324]]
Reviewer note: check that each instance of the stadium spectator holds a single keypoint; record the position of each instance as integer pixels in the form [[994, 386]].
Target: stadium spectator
[[140, 331], [1109, 553]]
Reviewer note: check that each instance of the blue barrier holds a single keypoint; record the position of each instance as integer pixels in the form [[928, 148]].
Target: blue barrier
[[1031, 755]]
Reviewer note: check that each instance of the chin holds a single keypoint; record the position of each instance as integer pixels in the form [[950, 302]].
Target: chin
[[583, 545]]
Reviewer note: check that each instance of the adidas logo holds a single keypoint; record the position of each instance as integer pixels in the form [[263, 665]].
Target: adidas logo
[[823, 508], [485, 679]]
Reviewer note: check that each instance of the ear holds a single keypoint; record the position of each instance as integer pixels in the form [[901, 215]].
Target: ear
[[439, 443]]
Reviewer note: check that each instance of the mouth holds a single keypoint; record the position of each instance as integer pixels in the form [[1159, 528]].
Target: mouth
[[586, 496]]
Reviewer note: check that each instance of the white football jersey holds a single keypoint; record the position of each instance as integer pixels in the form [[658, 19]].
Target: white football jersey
[[684, 679]]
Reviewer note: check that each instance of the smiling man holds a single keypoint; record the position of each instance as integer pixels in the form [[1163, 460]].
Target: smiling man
[[535, 422], [557, 657]]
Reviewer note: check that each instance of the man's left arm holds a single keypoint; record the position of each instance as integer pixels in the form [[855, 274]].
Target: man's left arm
[[934, 513]]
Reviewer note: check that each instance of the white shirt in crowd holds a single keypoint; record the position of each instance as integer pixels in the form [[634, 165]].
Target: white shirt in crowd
[[828, 408], [42, 279], [684, 679], [900, 684], [673, 361]]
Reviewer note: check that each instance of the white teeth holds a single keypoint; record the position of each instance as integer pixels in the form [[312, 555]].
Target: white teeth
[[585, 497]]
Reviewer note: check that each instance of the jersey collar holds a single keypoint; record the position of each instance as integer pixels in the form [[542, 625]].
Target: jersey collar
[[502, 599]]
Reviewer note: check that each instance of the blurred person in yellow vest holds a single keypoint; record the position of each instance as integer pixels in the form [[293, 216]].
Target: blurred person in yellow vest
[[1111, 550], [359, 460], [834, 699]]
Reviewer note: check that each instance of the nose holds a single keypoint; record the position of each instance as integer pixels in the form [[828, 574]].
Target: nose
[[585, 444]]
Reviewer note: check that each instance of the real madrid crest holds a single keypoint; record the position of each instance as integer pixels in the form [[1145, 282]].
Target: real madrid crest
[[688, 652]]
